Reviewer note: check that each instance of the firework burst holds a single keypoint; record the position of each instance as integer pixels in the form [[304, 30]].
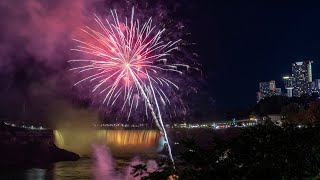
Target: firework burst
[[127, 64]]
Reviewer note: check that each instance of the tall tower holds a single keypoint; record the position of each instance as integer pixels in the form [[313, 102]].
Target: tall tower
[[309, 66], [288, 84], [302, 77]]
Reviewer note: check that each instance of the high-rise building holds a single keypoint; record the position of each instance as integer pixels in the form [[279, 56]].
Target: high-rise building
[[315, 87], [302, 77], [288, 85], [278, 92], [272, 85], [267, 89], [264, 89], [317, 83]]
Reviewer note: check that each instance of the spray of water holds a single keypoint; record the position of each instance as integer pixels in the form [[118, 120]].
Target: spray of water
[[104, 166]]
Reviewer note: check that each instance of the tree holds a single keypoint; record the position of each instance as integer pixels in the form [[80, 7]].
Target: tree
[[259, 152], [289, 107], [309, 116]]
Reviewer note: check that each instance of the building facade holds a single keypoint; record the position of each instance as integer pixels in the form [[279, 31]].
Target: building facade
[[315, 87], [267, 89], [278, 91], [302, 78], [288, 85]]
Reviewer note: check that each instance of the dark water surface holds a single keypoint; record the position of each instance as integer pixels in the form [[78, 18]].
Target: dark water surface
[[112, 162], [144, 144], [82, 169]]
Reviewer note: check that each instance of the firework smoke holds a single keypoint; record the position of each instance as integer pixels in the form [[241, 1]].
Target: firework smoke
[[34, 43]]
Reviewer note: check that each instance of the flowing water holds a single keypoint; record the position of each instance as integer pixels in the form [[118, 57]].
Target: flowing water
[[120, 142], [106, 154]]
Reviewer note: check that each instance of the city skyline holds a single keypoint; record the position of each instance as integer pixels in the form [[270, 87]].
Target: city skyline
[[299, 82]]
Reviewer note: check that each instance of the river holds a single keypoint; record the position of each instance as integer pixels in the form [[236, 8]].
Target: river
[[106, 154], [82, 169]]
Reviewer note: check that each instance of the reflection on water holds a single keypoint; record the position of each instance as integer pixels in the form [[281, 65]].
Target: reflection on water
[[119, 141], [36, 174], [30, 174], [82, 169]]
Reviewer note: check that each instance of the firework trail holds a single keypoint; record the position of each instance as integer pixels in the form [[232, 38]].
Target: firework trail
[[127, 64]]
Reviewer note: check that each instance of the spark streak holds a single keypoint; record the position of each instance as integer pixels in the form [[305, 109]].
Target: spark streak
[[129, 60]]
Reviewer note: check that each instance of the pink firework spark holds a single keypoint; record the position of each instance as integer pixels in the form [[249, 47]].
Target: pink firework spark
[[128, 62]]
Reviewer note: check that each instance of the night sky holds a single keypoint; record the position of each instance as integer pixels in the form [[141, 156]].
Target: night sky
[[239, 45], [242, 44]]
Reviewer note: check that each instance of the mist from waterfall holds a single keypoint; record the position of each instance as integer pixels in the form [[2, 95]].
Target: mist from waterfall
[[104, 166]]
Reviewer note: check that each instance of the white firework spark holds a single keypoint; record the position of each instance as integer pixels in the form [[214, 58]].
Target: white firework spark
[[128, 63]]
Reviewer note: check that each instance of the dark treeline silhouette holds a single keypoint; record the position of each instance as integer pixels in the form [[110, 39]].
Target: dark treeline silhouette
[[258, 152], [278, 104]]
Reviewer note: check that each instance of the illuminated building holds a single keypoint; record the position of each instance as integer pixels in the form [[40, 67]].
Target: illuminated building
[[272, 85], [278, 92], [302, 77], [288, 84], [267, 89], [315, 87]]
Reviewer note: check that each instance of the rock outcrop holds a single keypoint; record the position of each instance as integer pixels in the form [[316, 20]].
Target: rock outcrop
[[21, 147]]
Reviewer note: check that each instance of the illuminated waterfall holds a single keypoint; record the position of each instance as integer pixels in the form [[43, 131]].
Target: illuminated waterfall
[[58, 138], [119, 141], [130, 137]]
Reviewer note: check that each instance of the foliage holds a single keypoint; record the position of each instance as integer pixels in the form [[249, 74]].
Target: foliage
[[291, 109], [259, 152], [308, 116], [283, 105], [164, 171]]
